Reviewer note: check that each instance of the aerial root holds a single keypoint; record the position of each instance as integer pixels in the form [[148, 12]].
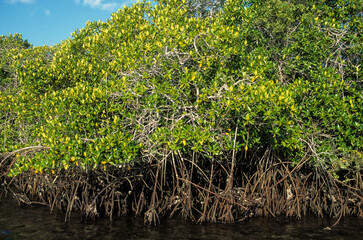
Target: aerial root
[[174, 187]]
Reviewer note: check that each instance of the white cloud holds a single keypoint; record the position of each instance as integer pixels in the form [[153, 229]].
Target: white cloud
[[21, 1], [101, 4], [47, 12], [110, 6]]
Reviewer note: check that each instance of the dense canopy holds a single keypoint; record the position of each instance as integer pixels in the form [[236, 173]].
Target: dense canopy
[[229, 81]]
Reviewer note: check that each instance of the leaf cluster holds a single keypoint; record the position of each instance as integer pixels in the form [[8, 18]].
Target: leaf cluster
[[169, 79]]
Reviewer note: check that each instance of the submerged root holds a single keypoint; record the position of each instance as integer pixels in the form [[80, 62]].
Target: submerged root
[[151, 217]]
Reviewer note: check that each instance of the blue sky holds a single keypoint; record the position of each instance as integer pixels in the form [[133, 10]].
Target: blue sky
[[48, 22]]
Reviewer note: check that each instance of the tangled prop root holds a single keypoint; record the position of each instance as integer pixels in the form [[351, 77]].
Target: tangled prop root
[[219, 192]]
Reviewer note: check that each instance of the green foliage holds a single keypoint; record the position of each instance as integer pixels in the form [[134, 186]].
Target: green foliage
[[154, 81], [10, 46]]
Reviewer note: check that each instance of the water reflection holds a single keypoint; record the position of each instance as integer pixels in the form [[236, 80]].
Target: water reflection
[[36, 223]]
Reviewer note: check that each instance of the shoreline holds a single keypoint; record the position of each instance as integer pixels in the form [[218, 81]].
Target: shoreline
[[158, 190]]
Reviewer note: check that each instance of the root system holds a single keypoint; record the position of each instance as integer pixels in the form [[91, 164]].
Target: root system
[[217, 192]]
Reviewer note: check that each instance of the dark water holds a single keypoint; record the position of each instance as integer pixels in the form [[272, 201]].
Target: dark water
[[22, 222]]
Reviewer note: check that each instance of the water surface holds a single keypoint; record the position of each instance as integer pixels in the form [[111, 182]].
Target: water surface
[[35, 222]]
